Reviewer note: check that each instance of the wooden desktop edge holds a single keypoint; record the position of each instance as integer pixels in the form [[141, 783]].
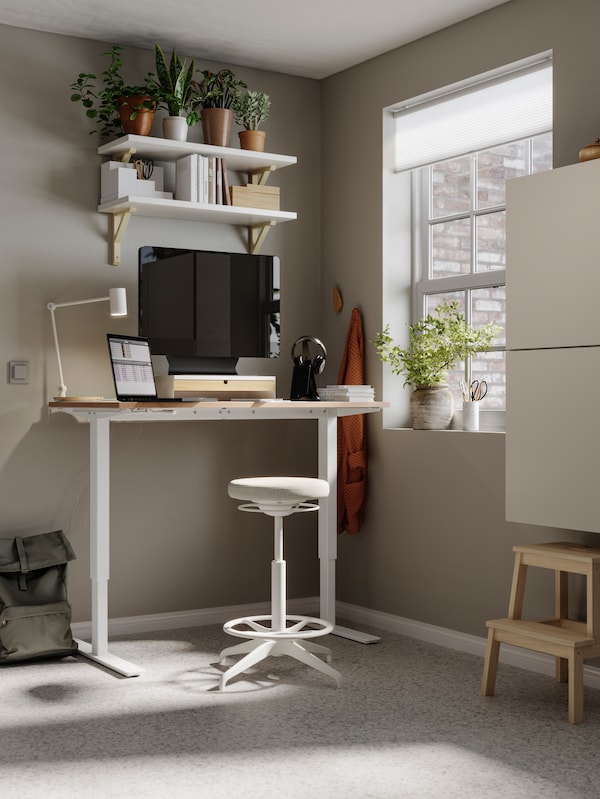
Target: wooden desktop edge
[[251, 403]]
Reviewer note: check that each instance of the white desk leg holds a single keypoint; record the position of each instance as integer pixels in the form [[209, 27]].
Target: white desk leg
[[100, 551], [328, 529]]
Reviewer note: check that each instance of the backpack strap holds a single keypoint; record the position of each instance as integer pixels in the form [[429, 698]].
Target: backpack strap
[[23, 563]]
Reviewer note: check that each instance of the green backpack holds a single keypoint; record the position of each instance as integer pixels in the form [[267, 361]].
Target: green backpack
[[35, 617]]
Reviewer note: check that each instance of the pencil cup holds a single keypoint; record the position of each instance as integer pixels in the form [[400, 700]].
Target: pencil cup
[[471, 416]]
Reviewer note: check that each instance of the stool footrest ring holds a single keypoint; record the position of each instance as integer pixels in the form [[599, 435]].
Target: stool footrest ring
[[297, 627]]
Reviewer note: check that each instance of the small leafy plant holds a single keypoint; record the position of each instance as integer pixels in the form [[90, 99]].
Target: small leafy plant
[[251, 109], [102, 103], [436, 344], [218, 89], [175, 85]]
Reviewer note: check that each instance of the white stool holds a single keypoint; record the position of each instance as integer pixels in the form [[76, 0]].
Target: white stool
[[278, 633]]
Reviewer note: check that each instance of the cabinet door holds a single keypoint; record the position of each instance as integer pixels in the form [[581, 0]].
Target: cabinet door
[[553, 258], [553, 438]]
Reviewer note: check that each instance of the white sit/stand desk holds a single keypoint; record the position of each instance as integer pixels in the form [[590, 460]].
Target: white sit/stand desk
[[101, 414]]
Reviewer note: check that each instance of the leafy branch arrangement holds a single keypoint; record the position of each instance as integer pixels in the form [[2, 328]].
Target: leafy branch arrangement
[[436, 344]]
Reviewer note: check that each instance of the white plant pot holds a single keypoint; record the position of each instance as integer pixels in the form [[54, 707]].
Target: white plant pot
[[175, 128]]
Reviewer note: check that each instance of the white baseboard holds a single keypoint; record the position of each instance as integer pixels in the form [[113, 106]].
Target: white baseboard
[[190, 618], [463, 642]]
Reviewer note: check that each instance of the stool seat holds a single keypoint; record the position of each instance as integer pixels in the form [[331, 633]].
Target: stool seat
[[278, 633], [285, 490]]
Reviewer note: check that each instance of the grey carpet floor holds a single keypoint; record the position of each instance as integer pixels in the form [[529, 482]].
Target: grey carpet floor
[[408, 723]]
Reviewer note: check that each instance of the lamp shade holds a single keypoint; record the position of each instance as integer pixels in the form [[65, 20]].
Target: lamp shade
[[118, 302]]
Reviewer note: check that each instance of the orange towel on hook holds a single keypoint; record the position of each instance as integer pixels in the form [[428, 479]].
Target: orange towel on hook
[[352, 436]]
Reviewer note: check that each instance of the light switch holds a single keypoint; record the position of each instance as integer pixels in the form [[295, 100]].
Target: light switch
[[18, 372]]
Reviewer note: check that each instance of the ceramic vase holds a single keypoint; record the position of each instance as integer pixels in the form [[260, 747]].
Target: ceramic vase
[[431, 407], [175, 128]]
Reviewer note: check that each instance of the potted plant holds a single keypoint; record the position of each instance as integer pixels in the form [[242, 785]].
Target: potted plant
[[174, 89], [216, 94], [251, 110], [436, 344], [116, 107]]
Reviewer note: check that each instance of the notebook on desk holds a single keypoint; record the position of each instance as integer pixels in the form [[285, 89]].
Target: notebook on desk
[[133, 375]]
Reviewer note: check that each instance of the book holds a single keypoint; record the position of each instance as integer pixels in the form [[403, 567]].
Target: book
[[226, 194], [186, 178]]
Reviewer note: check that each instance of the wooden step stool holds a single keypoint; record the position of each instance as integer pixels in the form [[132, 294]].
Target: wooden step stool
[[570, 641]]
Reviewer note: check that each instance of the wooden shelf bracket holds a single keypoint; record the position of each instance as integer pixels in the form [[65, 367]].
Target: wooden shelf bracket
[[256, 236], [118, 225]]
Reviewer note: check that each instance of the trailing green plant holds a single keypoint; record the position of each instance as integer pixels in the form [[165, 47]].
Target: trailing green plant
[[436, 344], [175, 85], [102, 103], [218, 89], [251, 109]]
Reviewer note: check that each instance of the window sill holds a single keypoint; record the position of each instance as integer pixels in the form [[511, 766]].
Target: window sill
[[489, 422]]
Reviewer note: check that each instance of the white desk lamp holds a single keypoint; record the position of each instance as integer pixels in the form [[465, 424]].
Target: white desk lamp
[[118, 307]]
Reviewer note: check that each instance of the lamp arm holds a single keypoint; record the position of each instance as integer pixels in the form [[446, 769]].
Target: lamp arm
[[62, 389], [53, 305]]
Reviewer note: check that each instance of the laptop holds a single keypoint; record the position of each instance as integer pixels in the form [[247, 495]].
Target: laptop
[[131, 362]]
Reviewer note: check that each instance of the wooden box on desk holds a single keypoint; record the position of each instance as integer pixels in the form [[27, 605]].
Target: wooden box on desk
[[254, 196], [222, 387]]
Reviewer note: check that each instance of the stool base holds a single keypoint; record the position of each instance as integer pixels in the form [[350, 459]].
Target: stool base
[[266, 642]]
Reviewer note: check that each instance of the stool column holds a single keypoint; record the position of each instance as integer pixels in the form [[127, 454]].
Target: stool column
[[278, 581]]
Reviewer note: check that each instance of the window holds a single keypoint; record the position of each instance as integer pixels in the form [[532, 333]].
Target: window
[[447, 158], [459, 228]]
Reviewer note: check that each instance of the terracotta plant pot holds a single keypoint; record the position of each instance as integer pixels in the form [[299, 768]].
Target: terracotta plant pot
[[142, 123], [216, 126], [253, 140]]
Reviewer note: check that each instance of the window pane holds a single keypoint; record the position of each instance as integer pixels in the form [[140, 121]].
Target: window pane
[[450, 187], [491, 239], [451, 248], [489, 305], [541, 153], [495, 167], [491, 367]]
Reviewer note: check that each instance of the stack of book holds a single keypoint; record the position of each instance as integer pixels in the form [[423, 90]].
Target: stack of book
[[347, 393], [202, 179]]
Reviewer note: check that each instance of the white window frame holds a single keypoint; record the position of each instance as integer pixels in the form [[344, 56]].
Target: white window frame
[[402, 251]]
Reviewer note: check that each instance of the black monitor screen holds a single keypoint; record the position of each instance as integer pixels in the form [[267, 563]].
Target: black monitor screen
[[204, 309]]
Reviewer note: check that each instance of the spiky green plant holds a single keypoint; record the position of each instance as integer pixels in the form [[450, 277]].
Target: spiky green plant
[[175, 84], [251, 109]]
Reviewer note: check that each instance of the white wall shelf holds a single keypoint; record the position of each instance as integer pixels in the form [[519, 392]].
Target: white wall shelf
[[258, 167]]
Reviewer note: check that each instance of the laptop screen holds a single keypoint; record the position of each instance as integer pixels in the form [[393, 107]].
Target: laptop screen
[[132, 367]]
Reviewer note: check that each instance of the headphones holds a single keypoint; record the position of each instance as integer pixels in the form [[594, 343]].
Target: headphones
[[318, 363]]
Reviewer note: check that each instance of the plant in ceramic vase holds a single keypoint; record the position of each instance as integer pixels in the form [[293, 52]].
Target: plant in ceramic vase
[[215, 95], [175, 89], [436, 344], [250, 111], [116, 107]]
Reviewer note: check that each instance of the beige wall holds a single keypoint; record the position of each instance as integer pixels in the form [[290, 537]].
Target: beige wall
[[435, 546], [178, 543]]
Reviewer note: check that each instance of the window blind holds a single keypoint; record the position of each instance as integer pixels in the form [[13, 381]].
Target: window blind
[[504, 109]]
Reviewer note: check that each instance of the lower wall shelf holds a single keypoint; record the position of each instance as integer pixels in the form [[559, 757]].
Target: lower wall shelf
[[257, 220]]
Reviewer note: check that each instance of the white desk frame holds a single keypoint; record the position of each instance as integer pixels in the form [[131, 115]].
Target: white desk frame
[[100, 415]]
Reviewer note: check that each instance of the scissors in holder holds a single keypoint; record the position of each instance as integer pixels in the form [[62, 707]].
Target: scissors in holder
[[478, 390]]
